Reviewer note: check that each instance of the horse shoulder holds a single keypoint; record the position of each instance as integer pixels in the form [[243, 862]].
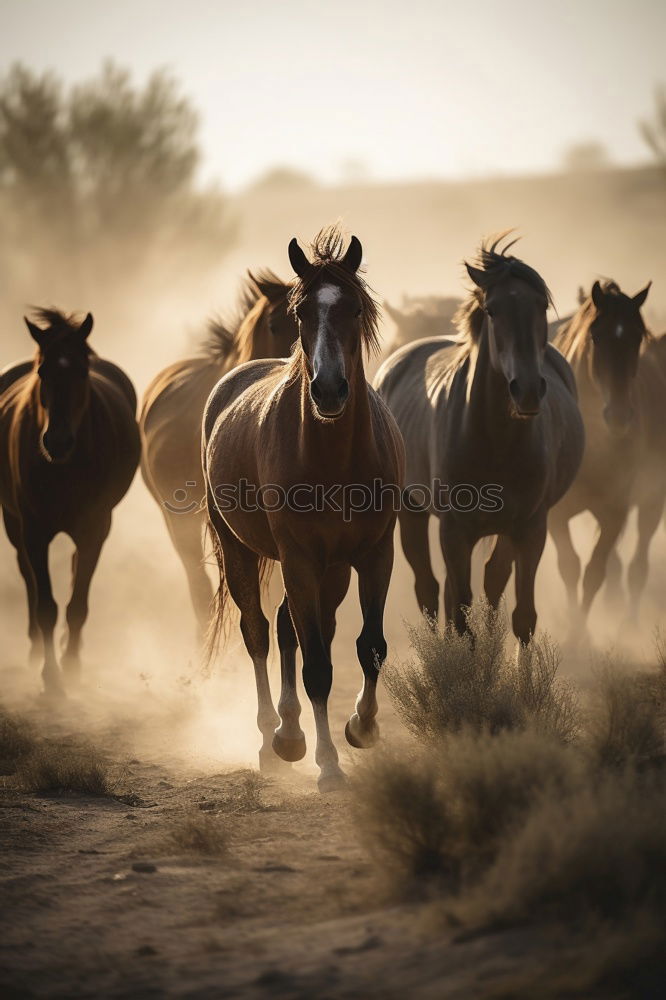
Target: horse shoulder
[[232, 385], [561, 367]]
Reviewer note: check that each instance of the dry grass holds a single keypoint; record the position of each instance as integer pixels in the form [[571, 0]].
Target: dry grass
[[17, 740], [52, 769], [473, 681], [199, 833], [514, 805]]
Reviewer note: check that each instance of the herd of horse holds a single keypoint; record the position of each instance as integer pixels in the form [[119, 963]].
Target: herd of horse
[[492, 402]]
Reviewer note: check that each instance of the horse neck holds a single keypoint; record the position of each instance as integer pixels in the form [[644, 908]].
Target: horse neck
[[253, 339], [335, 441]]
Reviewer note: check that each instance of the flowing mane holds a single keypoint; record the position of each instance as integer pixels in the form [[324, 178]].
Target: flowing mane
[[573, 338], [228, 334], [58, 324], [326, 251], [496, 266]]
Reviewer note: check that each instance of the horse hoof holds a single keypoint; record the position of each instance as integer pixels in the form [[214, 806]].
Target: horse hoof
[[361, 738], [336, 781], [289, 749], [55, 692]]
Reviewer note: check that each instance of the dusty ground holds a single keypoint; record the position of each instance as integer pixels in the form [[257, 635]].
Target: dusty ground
[[96, 900]]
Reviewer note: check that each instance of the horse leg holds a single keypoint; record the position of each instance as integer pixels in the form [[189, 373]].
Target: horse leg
[[613, 588], [457, 552], [498, 570], [14, 534], [416, 546], [241, 572], [289, 739], [649, 516], [303, 586], [568, 561], [374, 575], [88, 547], [529, 549], [610, 525], [37, 555], [185, 530]]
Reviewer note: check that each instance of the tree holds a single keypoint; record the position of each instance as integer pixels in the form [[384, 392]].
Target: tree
[[98, 185]]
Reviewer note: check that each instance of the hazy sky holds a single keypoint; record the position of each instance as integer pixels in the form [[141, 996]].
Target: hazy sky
[[414, 88]]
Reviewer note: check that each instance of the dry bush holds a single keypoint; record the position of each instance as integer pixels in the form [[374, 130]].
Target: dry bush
[[199, 833], [472, 680], [626, 720], [442, 813], [598, 851], [55, 769], [17, 740]]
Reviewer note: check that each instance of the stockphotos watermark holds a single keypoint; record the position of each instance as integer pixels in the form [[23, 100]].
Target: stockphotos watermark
[[347, 499]]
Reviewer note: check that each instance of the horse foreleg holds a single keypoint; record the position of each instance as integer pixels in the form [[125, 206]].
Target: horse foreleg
[[528, 548], [498, 570], [649, 516], [610, 524], [374, 576], [241, 574], [185, 529], [416, 546], [457, 552], [289, 739], [14, 534], [46, 609], [303, 585], [568, 562], [88, 547]]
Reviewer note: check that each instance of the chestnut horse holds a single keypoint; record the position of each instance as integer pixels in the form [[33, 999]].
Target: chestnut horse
[[493, 437], [69, 448], [622, 399], [302, 432], [171, 415]]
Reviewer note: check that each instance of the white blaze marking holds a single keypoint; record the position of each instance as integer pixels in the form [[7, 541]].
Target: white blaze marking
[[328, 295], [63, 362], [619, 330]]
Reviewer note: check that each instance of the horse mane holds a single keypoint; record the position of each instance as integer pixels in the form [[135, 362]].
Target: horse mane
[[572, 338], [497, 265], [224, 333], [326, 252]]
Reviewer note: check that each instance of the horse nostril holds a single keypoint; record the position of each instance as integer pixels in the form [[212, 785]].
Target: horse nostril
[[514, 388], [343, 389], [543, 385], [315, 390]]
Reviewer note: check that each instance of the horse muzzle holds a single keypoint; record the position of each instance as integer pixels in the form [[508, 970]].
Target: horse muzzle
[[329, 396], [57, 448], [527, 396]]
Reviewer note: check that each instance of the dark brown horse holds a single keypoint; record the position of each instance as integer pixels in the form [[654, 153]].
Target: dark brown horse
[[493, 438], [69, 448], [621, 399], [300, 433], [171, 416]]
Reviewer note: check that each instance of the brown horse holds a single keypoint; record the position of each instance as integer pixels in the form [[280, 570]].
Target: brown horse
[[171, 415], [302, 434], [69, 448], [493, 438], [621, 398]]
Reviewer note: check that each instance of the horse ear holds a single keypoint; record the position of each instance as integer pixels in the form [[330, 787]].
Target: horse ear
[[35, 331], [477, 275], [354, 255], [272, 290], [598, 295], [641, 296], [297, 259], [86, 327], [581, 295]]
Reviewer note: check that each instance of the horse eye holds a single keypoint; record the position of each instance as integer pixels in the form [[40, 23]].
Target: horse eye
[[358, 313]]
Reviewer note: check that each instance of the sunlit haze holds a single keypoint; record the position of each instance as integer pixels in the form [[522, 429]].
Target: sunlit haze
[[383, 89]]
